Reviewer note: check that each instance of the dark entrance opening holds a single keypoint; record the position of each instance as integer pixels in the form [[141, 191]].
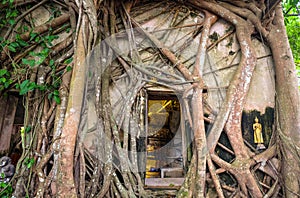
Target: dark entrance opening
[[11, 120]]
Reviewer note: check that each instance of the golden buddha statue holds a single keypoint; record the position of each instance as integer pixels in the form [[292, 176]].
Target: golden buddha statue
[[258, 137]]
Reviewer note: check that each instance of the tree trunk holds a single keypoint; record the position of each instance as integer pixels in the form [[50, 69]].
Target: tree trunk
[[66, 183], [288, 105], [57, 169]]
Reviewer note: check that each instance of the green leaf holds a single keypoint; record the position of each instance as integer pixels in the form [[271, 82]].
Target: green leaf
[[18, 37], [14, 13], [69, 68], [22, 43], [37, 39], [57, 99], [50, 95], [49, 38], [3, 80], [3, 72], [56, 92], [26, 86], [41, 60], [27, 129], [29, 162], [31, 86], [14, 44], [11, 48], [32, 35], [2, 184], [41, 87], [11, 21], [8, 83], [25, 28], [4, 43], [45, 52], [68, 61], [51, 63], [30, 62], [32, 53]]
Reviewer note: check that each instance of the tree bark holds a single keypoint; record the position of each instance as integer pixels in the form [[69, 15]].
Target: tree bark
[[110, 173], [66, 184], [288, 104]]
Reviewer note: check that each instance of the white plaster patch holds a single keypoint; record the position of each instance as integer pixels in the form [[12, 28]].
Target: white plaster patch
[[262, 87], [41, 80], [72, 110]]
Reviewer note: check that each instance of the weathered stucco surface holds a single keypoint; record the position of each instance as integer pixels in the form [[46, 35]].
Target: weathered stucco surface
[[221, 63], [262, 88]]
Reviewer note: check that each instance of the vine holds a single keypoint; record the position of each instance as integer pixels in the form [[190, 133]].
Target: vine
[[32, 65]]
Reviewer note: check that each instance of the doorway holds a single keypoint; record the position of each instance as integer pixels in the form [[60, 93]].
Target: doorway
[[164, 161]]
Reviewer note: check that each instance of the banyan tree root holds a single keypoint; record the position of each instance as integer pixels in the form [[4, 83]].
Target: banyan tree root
[[121, 178]]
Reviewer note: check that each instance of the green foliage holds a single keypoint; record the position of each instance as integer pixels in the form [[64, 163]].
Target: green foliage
[[26, 86], [68, 61], [5, 80], [292, 21], [29, 162], [36, 58], [6, 190], [55, 96], [8, 15], [293, 30], [69, 68], [292, 3], [30, 62], [27, 129], [55, 11]]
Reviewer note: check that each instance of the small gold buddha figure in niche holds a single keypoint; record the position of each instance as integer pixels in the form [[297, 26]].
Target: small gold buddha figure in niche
[[258, 137]]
